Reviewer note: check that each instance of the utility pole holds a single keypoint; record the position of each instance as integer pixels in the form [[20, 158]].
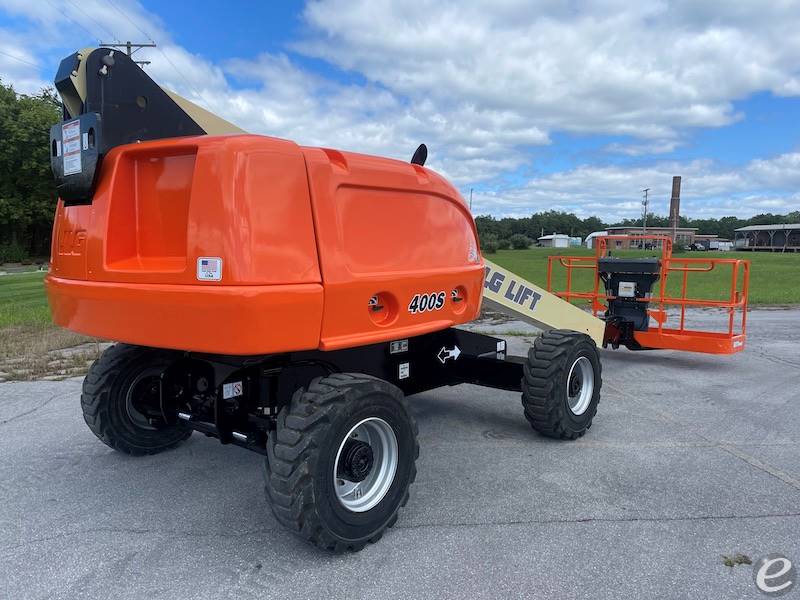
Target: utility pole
[[470, 199], [129, 49]]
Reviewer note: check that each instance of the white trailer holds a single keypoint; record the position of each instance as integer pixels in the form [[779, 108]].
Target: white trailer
[[556, 240]]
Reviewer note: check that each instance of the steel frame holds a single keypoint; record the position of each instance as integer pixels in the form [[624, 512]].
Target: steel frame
[[193, 389]]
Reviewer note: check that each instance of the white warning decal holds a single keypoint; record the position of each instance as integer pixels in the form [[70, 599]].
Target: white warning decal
[[71, 143], [472, 255], [403, 371], [231, 390]]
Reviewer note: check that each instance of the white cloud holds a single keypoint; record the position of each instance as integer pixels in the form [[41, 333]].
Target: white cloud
[[482, 82], [18, 64], [643, 69], [613, 192], [643, 149]]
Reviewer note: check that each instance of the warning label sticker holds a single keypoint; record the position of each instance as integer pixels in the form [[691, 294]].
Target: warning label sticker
[[231, 390], [71, 142], [209, 268]]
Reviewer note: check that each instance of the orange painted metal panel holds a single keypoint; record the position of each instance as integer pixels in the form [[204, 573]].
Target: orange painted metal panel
[[318, 248], [161, 205], [394, 229], [691, 340], [70, 241], [148, 217], [229, 319]]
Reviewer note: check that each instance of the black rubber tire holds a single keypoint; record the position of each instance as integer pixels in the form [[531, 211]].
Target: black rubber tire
[[302, 451], [544, 384], [104, 401]]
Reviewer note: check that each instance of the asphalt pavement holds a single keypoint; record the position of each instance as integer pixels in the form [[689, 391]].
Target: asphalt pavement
[[691, 457]]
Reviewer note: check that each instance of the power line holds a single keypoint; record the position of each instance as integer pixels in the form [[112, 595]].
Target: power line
[[71, 20], [186, 81], [22, 60], [93, 20], [131, 21], [129, 50], [164, 54]]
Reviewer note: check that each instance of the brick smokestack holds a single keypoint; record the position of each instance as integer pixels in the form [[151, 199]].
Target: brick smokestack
[[675, 203]]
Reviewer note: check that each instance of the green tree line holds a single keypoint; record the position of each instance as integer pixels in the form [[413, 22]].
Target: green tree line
[[27, 189], [553, 221]]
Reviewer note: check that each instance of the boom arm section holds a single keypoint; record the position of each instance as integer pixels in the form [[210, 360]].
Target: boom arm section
[[109, 101], [509, 293]]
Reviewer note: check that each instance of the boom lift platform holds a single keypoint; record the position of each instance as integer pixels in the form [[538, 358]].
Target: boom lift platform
[[282, 298], [623, 290]]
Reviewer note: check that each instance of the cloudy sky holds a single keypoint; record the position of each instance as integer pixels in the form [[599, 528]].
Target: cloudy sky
[[534, 105]]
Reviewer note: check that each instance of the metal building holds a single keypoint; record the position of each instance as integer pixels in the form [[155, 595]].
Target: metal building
[[782, 237], [682, 236], [556, 240]]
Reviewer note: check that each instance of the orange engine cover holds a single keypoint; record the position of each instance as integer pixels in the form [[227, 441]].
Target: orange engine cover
[[253, 245]]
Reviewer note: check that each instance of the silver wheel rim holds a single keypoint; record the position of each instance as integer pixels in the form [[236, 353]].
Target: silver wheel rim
[[580, 385], [360, 496]]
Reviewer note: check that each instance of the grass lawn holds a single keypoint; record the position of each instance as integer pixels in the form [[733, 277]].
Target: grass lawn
[[22, 300], [774, 277], [29, 342]]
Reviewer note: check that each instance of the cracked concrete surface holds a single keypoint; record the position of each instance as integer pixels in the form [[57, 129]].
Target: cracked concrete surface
[[691, 457]]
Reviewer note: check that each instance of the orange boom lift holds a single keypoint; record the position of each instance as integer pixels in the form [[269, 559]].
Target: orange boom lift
[[287, 299], [282, 298]]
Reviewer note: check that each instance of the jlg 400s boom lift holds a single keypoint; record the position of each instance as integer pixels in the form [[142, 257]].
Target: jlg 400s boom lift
[[282, 298]]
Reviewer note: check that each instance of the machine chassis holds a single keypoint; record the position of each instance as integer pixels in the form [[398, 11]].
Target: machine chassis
[[194, 387]]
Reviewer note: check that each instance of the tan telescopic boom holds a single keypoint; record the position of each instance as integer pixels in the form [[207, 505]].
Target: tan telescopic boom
[[212, 124], [510, 294]]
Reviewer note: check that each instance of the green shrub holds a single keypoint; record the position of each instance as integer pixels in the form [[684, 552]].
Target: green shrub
[[489, 244], [503, 244], [520, 242], [12, 253]]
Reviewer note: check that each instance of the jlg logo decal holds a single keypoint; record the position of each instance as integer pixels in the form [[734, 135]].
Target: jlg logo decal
[[424, 302], [495, 281], [72, 243]]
